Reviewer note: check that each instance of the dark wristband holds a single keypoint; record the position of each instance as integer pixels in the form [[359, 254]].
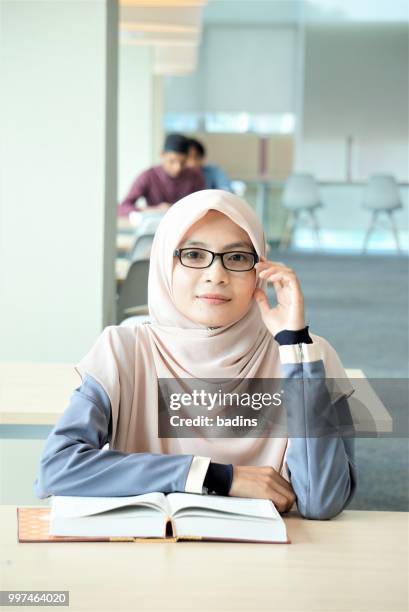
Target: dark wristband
[[288, 336], [218, 478]]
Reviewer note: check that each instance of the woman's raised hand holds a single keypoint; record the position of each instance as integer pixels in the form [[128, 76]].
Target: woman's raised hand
[[289, 311], [263, 483]]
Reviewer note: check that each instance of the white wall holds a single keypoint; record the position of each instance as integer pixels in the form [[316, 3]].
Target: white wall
[[355, 84], [240, 68], [249, 68], [58, 184], [135, 114]]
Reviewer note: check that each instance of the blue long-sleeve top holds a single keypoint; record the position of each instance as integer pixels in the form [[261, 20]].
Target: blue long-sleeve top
[[75, 462], [215, 177]]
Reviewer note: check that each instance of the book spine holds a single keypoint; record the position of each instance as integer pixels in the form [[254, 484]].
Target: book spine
[[143, 540], [119, 539]]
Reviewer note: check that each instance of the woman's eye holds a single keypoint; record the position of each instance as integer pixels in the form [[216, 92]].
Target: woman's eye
[[193, 254], [238, 257]]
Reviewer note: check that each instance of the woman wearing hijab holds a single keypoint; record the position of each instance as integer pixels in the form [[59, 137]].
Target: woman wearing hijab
[[210, 319]]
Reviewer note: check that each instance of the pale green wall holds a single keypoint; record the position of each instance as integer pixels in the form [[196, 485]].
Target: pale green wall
[[135, 114], [58, 187]]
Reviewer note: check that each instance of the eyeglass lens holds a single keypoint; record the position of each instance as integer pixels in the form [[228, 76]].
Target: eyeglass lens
[[200, 258]]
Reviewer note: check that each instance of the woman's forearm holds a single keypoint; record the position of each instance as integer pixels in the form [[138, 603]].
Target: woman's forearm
[[74, 462]]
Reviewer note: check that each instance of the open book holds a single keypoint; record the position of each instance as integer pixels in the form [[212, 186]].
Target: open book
[[176, 515]]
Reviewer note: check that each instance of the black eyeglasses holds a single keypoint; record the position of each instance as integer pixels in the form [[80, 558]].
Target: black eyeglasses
[[235, 261]]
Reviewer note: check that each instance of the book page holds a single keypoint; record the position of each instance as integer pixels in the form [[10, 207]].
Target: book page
[[241, 506], [74, 507]]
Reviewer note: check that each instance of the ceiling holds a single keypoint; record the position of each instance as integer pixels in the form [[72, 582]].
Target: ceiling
[[172, 28]]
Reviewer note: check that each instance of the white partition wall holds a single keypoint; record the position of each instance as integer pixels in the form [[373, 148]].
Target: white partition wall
[[58, 187], [356, 97], [241, 69], [135, 113]]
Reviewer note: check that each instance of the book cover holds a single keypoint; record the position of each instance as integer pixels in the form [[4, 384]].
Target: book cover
[[33, 526]]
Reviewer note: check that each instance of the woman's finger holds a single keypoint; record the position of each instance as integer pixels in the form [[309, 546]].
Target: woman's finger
[[283, 482], [286, 491], [281, 276], [263, 265], [274, 268], [280, 501], [278, 285], [262, 301]]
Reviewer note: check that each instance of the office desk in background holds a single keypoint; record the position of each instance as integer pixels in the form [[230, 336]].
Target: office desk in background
[[122, 265], [355, 562], [124, 225], [124, 243]]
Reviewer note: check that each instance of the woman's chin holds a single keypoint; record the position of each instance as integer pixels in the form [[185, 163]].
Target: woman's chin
[[216, 321], [213, 317]]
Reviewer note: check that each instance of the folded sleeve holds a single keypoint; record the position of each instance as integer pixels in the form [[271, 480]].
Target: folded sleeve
[[75, 462]]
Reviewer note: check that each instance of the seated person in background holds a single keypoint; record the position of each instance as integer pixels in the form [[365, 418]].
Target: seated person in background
[[214, 176], [163, 185]]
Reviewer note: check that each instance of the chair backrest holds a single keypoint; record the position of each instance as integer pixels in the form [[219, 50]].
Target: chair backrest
[[142, 247], [149, 223], [300, 191], [134, 289], [239, 188], [381, 193]]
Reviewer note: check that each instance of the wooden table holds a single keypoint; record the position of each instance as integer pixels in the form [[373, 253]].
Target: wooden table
[[124, 243], [35, 393], [122, 266], [124, 225], [356, 562]]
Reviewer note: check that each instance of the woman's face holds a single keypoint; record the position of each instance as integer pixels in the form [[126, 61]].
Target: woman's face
[[215, 232]]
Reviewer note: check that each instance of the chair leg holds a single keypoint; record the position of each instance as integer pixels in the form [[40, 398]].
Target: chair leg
[[394, 229], [316, 227], [288, 231], [369, 230]]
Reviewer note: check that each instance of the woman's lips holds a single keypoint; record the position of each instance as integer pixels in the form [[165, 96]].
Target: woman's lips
[[213, 298]]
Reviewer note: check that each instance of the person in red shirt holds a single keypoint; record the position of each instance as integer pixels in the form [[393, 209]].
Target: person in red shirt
[[163, 185]]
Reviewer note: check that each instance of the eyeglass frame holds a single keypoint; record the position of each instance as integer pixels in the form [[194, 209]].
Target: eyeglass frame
[[178, 253]]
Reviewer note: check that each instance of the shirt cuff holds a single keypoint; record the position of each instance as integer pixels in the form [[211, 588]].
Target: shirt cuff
[[290, 336], [299, 353], [219, 477], [196, 475]]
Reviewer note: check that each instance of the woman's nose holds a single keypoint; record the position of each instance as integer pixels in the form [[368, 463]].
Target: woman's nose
[[216, 272]]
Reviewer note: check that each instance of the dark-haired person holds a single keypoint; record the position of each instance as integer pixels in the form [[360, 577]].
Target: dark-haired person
[[163, 185], [214, 176]]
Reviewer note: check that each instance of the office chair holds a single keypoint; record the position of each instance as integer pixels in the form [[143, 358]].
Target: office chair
[[300, 196], [134, 290], [381, 195], [142, 247]]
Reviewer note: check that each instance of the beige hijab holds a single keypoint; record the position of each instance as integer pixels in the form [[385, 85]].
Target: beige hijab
[[128, 361]]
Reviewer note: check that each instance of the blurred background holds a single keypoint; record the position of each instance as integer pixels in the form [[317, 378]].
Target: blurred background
[[302, 103]]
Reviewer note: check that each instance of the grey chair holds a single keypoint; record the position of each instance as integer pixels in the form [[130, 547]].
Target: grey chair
[[300, 197], [381, 195], [142, 247], [134, 290], [144, 236], [239, 188]]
